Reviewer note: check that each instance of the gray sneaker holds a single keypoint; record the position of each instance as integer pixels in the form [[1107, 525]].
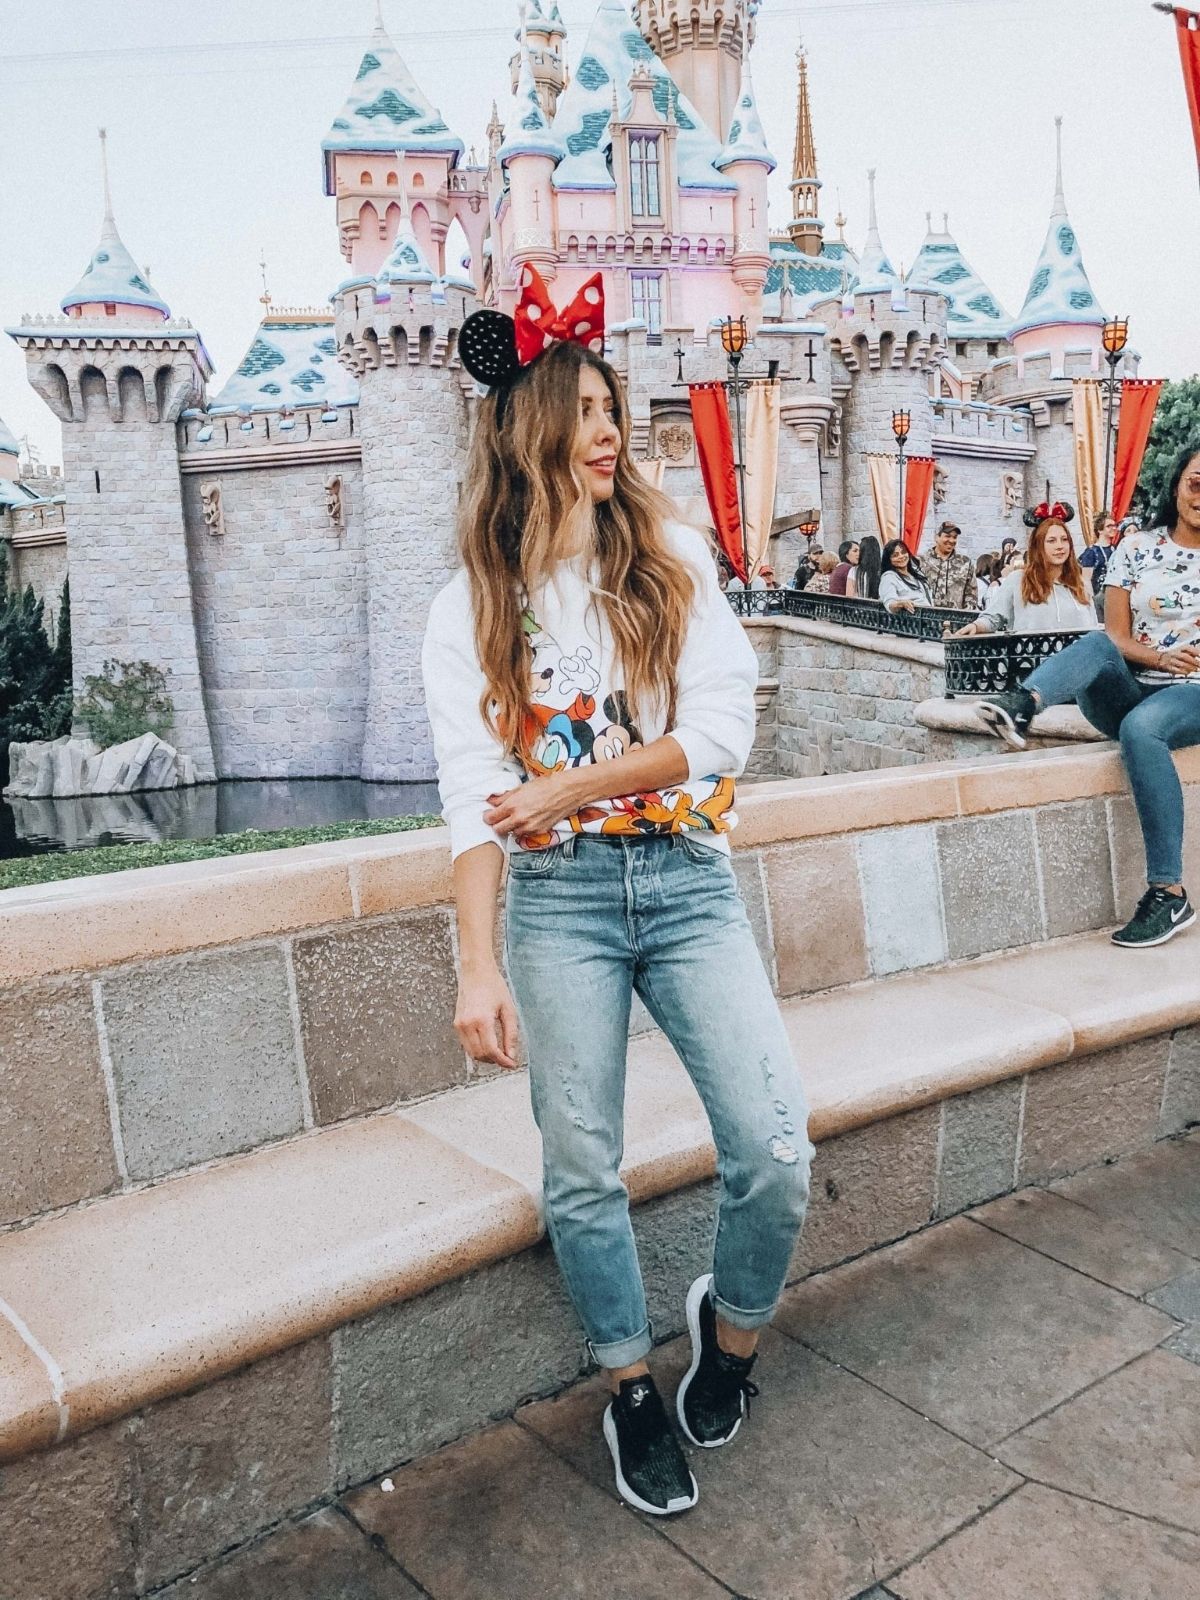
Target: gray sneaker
[[1008, 715], [1160, 916]]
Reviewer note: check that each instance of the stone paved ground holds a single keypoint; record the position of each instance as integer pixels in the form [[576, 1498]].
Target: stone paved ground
[[1004, 1407]]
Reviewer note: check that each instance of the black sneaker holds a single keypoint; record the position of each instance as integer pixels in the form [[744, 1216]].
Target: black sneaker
[[716, 1389], [1160, 916], [1008, 715], [652, 1473]]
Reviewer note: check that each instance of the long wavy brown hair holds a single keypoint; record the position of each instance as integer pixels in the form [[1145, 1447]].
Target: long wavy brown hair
[[1037, 576], [524, 507]]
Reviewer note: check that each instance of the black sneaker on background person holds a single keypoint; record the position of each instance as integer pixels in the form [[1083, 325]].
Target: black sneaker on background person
[[715, 1392], [1160, 916], [652, 1472], [1008, 715]]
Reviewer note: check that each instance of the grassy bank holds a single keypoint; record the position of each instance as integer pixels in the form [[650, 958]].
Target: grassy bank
[[124, 857]]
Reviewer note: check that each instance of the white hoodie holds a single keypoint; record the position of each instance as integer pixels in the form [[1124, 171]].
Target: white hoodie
[[578, 699]]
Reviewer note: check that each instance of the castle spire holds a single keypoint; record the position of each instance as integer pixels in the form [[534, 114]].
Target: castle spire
[[973, 312], [876, 274], [747, 139], [1060, 293], [112, 277], [529, 132], [805, 229]]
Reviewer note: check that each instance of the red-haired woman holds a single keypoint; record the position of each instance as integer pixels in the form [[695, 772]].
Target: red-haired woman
[[1046, 595]]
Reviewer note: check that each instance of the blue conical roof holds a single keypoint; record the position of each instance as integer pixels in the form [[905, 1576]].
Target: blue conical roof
[[292, 361], [386, 111], [529, 132], [941, 268], [747, 139], [8, 440], [112, 276], [614, 51], [1059, 291]]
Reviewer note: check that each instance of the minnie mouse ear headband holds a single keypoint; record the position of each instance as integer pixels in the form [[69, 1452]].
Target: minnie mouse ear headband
[[1060, 511], [494, 348]]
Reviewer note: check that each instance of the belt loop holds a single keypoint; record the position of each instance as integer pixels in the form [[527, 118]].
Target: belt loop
[[569, 846]]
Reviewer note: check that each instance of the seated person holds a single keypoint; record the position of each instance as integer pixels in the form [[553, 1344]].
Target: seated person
[[902, 584], [1049, 593]]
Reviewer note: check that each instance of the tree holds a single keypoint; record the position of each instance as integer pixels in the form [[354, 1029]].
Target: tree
[[35, 676], [124, 701], [1176, 427]]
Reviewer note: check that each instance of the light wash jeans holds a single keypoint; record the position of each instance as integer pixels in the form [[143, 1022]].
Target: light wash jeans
[[590, 922], [1149, 719]]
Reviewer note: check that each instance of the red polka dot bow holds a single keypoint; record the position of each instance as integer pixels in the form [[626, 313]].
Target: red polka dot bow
[[538, 321]]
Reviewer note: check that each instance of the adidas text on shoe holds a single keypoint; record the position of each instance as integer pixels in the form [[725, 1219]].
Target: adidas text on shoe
[[1160, 916], [715, 1392], [652, 1471], [1008, 715]]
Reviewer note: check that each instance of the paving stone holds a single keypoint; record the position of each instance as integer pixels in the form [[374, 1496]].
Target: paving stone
[[1186, 1343], [926, 1318], [809, 1504], [1093, 1109], [377, 1014], [975, 855], [1042, 1545], [1131, 1441], [1181, 1100], [55, 1135], [1075, 900], [978, 1145], [1180, 1298], [325, 1557], [217, 1465], [1101, 1247], [1156, 1193], [66, 1521], [817, 915], [903, 899], [500, 1515], [203, 1056]]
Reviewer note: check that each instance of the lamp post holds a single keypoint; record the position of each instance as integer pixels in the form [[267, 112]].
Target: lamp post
[[1116, 337], [809, 529], [734, 338], [901, 427]]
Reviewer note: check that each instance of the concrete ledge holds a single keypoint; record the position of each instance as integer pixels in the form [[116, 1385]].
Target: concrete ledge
[[136, 1297]]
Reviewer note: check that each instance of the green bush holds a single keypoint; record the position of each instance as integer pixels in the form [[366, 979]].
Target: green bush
[[124, 701], [35, 676], [1176, 427]]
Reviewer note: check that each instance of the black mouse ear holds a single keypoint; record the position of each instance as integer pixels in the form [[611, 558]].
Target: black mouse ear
[[1031, 519], [487, 347]]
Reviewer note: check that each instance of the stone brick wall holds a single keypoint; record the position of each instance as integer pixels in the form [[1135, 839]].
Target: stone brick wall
[[44, 566], [281, 621]]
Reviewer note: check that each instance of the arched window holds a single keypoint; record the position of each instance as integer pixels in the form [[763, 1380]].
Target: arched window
[[393, 180], [645, 175], [365, 180], [418, 180]]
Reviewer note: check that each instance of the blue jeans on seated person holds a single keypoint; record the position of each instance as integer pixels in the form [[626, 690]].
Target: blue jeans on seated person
[[589, 923], [1149, 719]]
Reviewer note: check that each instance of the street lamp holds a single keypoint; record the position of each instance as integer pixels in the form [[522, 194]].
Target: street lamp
[[809, 529], [1116, 337], [734, 339], [901, 427]]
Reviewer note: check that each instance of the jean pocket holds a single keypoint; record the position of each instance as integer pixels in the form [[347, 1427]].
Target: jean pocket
[[534, 863], [704, 854]]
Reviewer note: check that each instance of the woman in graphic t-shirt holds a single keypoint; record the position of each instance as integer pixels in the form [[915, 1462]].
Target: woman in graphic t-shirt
[[1140, 683], [591, 696]]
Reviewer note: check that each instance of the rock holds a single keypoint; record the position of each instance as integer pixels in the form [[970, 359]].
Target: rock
[[56, 768]]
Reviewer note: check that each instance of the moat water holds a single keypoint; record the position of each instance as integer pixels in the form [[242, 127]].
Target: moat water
[[36, 827]]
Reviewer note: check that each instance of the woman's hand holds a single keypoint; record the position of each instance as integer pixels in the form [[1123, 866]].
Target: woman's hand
[[901, 605], [485, 1019], [966, 632], [533, 807], [1180, 662]]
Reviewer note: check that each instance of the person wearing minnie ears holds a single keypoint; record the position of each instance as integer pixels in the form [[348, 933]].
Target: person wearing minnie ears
[[592, 701], [1138, 682]]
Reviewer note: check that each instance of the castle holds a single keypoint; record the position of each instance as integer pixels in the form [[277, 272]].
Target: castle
[[274, 546]]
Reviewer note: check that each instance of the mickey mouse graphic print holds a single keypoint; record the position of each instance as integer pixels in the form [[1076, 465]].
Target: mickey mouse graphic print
[[579, 715], [1162, 579]]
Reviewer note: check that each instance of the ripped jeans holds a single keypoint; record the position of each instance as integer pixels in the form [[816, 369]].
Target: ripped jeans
[[590, 922]]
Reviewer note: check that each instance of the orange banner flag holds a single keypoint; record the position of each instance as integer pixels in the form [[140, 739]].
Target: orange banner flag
[[1139, 401], [1187, 26]]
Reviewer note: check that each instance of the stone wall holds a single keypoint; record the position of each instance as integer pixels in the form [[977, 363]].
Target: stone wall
[[44, 567], [280, 602]]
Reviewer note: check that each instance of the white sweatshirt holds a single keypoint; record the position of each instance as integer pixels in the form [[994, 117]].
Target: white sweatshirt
[[578, 699], [1006, 612]]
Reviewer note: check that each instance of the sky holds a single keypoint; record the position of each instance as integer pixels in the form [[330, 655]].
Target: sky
[[215, 115]]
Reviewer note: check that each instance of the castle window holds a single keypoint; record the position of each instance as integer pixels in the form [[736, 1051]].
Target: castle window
[[646, 289], [960, 348], [393, 180], [110, 309], [993, 350], [365, 180], [645, 175]]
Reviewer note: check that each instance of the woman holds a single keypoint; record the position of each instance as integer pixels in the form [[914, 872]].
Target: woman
[[1140, 683], [1046, 595], [901, 585], [820, 580], [987, 576], [864, 580], [592, 701], [843, 574]]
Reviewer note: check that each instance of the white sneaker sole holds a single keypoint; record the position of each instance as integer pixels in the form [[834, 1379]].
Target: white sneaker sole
[[1002, 725], [1149, 944], [695, 1300], [671, 1509]]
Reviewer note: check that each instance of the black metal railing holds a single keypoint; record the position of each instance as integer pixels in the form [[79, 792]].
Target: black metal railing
[[989, 662], [926, 622]]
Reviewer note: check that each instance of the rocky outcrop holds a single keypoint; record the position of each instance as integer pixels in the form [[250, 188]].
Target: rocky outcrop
[[55, 768]]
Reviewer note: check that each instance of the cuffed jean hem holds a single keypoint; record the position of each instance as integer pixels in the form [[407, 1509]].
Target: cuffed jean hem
[[625, 1352], [747, 1321]]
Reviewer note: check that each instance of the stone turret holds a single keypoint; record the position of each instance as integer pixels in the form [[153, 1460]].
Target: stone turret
[[747, 160], [117, 371], [702, 43], [543, 36]]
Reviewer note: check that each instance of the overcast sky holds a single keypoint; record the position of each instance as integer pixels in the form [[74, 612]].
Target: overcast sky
[[215, 115]]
